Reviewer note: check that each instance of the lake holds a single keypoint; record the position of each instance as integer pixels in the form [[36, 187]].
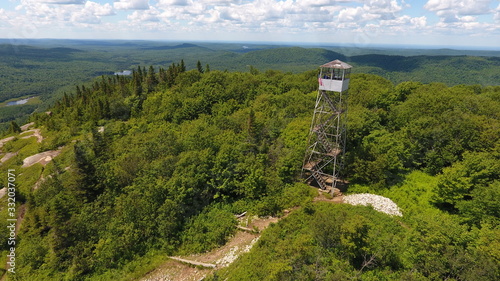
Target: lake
[[18, 102]]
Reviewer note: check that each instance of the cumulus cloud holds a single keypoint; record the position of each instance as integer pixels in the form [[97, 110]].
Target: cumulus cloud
[[461, 15], [280, 17], [62, 2], [50, 15], [372, 10], [497, 14], [99, 10], [454, 8], [174, 2], [131, 4], [151, 15], [4, 18], [220, 2], [286, 16], [404, 23], [91, 13]]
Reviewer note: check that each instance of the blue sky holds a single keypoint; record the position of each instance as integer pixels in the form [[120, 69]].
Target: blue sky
[[474, 23]]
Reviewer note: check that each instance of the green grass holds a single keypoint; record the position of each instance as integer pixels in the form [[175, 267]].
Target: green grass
[[25, 147], [29, 177], [413, 195]]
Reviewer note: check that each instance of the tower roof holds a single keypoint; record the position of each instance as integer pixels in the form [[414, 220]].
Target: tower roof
[[337, 64]]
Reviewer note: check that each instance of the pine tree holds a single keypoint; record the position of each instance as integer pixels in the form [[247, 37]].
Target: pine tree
[[14, 128], [78, 92], [151, 80], [182, 66], [199, 67]]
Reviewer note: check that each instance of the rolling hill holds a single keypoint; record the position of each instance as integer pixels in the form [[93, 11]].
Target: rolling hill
[[48, 68]]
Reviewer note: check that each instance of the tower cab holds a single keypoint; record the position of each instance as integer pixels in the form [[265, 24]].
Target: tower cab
[[334, 76]]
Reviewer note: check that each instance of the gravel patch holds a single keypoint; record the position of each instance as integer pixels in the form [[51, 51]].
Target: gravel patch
[[234, 253], [379, 203]]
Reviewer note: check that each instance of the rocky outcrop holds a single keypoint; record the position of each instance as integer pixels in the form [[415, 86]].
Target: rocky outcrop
[[379, 203]]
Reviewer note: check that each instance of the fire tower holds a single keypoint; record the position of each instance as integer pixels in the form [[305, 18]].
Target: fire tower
[[327, 137]]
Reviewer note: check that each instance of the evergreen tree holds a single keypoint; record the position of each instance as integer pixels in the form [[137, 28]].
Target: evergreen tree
[[151, 79], [14, 128], [199, 67], [182, 66]]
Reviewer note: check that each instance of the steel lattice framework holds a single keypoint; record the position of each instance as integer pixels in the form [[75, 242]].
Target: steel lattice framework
[[325, 154]]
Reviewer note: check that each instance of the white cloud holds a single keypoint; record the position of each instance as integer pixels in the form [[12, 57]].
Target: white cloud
[[351, 14], [49, 15], [497, 14], [166, 3], [458, 7], [4, 18], [323, 3], [99, 10], [372, 10], [366, 20], [131, 4], [151, 15], [459, 16], [385, 8], [220, 2], [91, 13], [405, 22], [286, 16], [62, 2]]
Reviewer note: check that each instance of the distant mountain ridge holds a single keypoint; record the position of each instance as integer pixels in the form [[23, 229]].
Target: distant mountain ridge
[[47, 68], [35, 52], [168, 47]]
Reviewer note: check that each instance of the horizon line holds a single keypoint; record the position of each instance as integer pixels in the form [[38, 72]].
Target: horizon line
[[279, 43]]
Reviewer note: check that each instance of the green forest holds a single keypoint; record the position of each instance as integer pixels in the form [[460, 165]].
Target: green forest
[[158, 163], [47, 68]]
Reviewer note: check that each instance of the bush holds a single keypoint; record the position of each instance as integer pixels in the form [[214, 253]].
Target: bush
[[208, 230]]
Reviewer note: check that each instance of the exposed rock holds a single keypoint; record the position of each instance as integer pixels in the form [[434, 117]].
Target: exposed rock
[[379, 203], [6, 140], [36, 133], [42, 158], [27, 126], [7, 156]]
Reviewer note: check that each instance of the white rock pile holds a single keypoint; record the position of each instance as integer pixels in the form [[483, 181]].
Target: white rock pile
[[379, 203], [234, 253]]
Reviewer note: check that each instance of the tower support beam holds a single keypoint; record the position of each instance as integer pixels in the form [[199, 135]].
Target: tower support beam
[[325, 153]]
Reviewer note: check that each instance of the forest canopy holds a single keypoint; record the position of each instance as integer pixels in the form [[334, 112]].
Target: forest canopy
[[159, 162], [47, 68]]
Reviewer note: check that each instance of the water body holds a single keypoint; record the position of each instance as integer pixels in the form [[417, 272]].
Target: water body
[[19, 102], [125, 72]]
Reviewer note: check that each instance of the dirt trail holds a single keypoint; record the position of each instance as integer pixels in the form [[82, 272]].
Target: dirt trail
[[241, 242]]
